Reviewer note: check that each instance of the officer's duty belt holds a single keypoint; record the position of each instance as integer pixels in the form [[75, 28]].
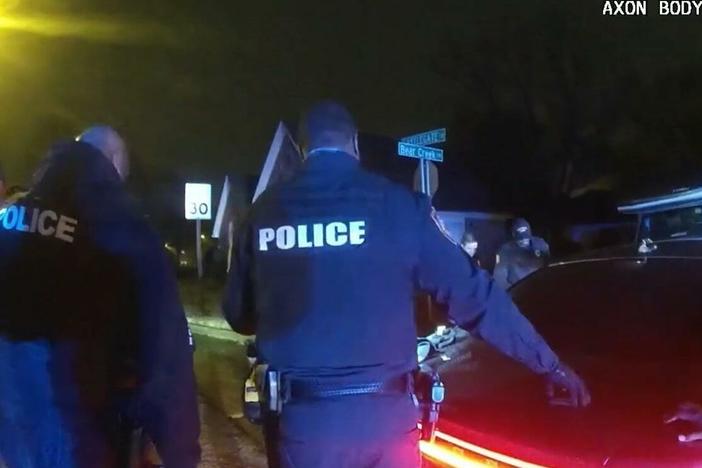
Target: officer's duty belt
[[306, 389]]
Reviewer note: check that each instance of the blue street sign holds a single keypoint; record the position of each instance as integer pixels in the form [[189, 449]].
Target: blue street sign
[[419, 152], [431, 137]]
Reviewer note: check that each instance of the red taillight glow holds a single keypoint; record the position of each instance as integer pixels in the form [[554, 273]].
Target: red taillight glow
[[457, 459]]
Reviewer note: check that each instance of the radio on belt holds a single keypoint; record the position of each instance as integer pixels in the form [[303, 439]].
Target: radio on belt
[[431, 392]]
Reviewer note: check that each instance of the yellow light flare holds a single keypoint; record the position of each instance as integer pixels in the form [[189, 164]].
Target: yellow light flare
[[447, 457], [7, 5], [456, 459], [114, 31]]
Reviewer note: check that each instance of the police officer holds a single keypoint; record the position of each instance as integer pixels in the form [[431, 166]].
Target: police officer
[[323, 272], [469, 244], [92, 333], [521, 256]]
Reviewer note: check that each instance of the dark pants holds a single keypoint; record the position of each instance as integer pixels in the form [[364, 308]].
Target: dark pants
[[350, 432], [399, 452]]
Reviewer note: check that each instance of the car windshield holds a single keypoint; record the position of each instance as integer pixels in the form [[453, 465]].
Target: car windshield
[[673, 224], [628, 309]]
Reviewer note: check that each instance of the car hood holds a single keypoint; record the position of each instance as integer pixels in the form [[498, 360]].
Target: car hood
[[498, 405]]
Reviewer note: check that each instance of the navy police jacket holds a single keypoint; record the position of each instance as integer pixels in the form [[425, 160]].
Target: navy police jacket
[[515, 263], [325, 268], [91, 326]]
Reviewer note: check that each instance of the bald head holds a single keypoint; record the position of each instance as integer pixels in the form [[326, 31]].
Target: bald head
[[106, 140]]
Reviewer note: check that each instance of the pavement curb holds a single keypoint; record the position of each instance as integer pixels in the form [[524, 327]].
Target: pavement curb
[[211, 322], [218, 333]]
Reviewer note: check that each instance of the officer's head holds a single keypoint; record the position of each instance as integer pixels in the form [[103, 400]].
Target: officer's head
[[329, 126], [469, 243], [110, 144], [521, 232]]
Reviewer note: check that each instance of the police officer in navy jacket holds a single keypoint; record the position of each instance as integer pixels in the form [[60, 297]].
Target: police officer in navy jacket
[[324, 272], [93, 338]]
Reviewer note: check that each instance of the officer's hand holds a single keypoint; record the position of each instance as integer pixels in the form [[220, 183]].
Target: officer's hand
[[691, 413], [564, 379]]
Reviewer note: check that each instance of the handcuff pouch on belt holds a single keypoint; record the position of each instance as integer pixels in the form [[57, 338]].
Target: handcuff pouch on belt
[[263, 393], [430, 392]]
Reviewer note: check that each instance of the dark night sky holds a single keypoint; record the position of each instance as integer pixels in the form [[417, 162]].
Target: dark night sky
[[198, 86], [189, 80]]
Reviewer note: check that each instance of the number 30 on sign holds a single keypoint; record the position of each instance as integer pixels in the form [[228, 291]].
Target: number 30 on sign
[[198, 201]]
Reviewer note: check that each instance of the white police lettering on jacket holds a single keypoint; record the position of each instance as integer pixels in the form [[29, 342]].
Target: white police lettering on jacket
[[46, 223], [309, 236]]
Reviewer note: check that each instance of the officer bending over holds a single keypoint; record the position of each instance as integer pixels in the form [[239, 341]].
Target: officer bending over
[[324, 271], [92, 333]]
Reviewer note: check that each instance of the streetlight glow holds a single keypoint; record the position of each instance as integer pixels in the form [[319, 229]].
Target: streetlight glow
[[95, 29]]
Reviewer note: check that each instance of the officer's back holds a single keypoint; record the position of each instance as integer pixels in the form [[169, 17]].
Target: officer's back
[[78, 271], [324, 271], [343, 242], [63, 306]]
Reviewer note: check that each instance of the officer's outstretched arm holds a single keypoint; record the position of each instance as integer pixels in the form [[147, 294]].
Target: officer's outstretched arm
[[238, 304], [475, 302]]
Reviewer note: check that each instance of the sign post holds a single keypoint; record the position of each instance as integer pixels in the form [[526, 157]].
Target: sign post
[[416, 146], [426, 183], [198, 206], [198, 247], [221, 209]]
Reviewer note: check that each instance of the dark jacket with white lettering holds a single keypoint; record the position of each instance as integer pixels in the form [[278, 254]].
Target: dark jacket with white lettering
[[343, 309], [91, 326]]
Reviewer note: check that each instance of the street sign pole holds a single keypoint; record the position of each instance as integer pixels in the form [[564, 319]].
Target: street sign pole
[[427, 176], [424, 173], [198, 247], [417, 146], [198, 206]]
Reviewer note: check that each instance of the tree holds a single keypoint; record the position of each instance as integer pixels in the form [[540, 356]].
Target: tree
[[554, 95]]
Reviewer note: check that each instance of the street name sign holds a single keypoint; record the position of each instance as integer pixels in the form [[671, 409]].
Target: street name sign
[[431, 137], [419, 152]]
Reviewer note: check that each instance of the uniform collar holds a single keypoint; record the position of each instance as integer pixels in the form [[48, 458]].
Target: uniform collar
[[329, 159]]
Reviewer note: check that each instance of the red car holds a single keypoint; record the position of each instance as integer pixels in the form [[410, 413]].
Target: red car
[[631, 324]]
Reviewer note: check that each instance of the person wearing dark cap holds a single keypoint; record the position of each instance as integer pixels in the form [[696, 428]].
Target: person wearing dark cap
[[323, 272], [92, 332], [521, 256]]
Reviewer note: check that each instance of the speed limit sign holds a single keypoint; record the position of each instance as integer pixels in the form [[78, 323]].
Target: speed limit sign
[[198, 201]]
